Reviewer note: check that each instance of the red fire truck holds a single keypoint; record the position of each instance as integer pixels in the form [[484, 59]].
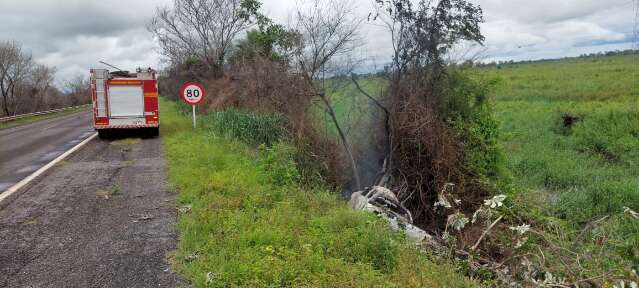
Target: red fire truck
[[123, 100]]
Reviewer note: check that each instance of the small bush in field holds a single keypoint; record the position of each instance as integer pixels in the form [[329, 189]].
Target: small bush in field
[[250, 128]]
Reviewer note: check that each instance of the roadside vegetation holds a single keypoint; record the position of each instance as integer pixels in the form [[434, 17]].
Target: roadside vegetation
[[245, 220], [426, 132], [36, 118]]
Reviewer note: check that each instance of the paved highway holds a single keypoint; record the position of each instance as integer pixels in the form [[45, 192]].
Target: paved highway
[[104, 217], [26, 148]]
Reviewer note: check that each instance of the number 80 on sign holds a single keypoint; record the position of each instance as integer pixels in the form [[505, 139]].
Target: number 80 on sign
[[192, 93]]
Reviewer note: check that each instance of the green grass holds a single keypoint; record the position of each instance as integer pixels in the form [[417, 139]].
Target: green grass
[[588, 173], [571, 176], [586, 79], [36, 118], [251, 225], [352, 109], [585, 171]]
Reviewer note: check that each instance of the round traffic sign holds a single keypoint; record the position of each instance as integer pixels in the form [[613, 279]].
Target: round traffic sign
[[192, 93]]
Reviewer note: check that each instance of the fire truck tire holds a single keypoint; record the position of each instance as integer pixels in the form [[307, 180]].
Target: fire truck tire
[[153, 132], [103, 133]]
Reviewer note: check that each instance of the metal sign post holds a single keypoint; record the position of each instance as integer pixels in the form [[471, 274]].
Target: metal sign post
[[192, 94], [194, 116]]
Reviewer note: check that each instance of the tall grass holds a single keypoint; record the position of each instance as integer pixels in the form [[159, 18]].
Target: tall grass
[[251, 128]]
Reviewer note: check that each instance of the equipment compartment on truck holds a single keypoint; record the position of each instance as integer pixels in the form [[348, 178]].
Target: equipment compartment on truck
[[123, 100]]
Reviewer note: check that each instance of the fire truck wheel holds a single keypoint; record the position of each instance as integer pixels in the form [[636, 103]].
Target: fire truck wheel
[[103, 133], [152, 132]]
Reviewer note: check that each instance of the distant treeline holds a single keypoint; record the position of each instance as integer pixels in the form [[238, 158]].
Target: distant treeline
[[27, 86]]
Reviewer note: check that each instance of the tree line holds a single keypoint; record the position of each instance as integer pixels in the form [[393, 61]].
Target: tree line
[[27, 86]]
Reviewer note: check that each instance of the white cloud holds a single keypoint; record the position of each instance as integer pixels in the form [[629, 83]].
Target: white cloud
[[73, 35]]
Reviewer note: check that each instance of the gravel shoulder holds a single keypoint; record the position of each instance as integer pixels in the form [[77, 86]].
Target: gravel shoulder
[[102, 218]]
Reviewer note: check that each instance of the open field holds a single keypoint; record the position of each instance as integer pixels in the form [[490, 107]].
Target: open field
[[570, 130], [570, 133], [602, 78]]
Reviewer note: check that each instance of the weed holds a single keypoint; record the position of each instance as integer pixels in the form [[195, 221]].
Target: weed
[[115, 190]]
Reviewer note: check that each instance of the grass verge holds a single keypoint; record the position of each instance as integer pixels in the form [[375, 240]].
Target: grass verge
[[36, 118], [245, 222]]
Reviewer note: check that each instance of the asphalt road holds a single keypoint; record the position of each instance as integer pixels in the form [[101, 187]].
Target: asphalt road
[[26, 148], [101, 218]]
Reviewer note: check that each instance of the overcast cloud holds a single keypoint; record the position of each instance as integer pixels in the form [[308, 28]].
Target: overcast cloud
[[73, 35]]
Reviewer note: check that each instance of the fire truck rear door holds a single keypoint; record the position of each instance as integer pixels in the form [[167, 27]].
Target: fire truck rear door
[[126, 101]]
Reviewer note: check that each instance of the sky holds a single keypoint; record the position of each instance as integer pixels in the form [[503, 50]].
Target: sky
[[73, 35]]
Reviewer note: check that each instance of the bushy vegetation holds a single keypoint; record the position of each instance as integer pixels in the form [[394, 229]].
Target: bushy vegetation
[[245, 221], [472, 118]]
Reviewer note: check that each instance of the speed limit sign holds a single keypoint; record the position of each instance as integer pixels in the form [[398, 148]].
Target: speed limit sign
[[192, 93]]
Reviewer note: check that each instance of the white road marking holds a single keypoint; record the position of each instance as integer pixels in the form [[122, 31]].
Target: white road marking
[[51, 155], [39, 172], [28, 169]]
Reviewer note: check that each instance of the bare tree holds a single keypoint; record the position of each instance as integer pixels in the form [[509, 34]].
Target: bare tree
[[14, 69], [39, 85], [329, 32], [78, 90], [202, 28]]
